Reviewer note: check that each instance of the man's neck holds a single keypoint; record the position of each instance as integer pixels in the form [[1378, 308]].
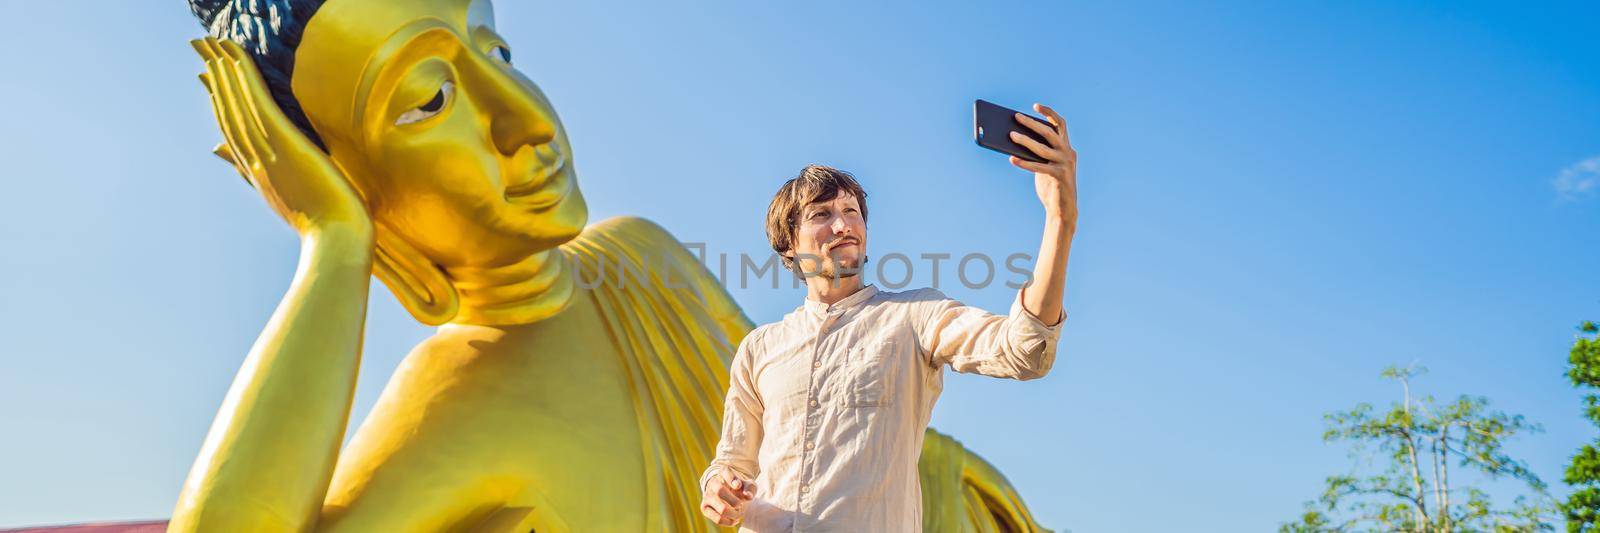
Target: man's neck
[[830, 290]]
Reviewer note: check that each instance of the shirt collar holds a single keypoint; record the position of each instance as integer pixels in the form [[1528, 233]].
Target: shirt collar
[[819, 309]]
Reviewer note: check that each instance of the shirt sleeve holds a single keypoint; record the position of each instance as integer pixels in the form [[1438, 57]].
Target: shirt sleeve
[[741, 421], [974, 341]]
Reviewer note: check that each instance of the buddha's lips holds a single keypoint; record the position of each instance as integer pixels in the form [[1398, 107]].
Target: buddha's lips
[[545, 177]]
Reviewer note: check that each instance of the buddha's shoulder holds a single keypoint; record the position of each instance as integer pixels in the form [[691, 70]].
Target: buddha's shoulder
[[627, 225], [628, 236]]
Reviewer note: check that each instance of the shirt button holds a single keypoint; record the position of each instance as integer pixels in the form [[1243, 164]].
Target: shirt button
[[805, 488], [810, 445], [816, 364], [813, 403]]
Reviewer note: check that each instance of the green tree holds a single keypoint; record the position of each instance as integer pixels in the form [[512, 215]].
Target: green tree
[[1582, 508], [1417, 442]]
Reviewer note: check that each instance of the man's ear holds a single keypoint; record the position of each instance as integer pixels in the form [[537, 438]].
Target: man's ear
[[420, 285]]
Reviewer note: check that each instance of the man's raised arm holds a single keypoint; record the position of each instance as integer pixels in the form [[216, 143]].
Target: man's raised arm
[[1056, 182], [1021, 345]]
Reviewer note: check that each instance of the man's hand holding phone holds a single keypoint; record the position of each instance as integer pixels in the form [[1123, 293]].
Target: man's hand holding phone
[[726, 497], [1056, 176]]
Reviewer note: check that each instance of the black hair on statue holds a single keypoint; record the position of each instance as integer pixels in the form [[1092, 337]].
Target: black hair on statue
[[270, 31]]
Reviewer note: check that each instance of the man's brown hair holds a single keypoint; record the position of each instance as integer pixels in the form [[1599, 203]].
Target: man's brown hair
[[816, 183]]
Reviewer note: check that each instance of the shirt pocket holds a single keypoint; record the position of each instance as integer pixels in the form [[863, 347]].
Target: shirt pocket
[[868, 375]]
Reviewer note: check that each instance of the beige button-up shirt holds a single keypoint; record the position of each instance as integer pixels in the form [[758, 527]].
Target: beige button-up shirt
[[826, 408]]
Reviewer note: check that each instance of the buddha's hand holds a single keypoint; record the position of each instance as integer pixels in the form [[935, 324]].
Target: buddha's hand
[[726, 497], [298, 180]]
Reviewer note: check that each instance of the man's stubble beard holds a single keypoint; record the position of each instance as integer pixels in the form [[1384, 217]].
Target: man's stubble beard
[[832, 270]]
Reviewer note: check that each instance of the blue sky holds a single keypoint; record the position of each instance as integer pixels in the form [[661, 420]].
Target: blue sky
[[1278, 200]]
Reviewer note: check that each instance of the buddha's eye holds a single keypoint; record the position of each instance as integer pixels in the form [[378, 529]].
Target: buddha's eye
[[501, 53], [429, 109]]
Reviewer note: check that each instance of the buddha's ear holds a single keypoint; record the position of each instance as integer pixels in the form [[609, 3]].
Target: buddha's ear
[[420, 285]]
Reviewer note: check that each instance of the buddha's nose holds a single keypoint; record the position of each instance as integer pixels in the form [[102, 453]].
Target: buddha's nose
[[514, 111]]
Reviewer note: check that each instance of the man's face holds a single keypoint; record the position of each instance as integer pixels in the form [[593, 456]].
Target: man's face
[[831, 238]]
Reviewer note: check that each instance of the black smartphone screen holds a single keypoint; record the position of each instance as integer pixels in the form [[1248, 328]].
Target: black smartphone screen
[[992, 126]]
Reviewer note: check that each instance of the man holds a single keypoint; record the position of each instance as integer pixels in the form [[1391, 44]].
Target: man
[[825, 412]]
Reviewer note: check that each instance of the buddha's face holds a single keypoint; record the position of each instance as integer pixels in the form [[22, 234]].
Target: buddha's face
[[455, 150]]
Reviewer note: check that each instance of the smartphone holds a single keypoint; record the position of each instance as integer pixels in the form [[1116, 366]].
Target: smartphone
[[992, 126]]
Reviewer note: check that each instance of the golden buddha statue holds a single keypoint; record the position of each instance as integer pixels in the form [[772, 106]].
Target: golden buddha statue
[[576, 378]]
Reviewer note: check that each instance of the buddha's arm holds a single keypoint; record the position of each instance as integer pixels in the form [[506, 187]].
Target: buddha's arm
[[268, 458], [266, 462]]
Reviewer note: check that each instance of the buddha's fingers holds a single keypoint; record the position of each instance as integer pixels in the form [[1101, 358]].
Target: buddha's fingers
[[257, 103], [222, 152], [227, 116], [220, 109], [221, 149], [247, 138]]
